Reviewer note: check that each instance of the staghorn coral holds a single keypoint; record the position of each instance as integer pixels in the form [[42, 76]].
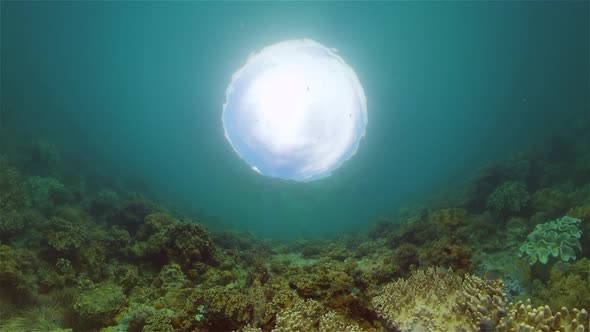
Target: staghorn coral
[[511, 196], [437, 300], [556, 238], [522, 317]]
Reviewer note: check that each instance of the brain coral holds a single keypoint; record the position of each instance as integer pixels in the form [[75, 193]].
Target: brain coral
[[437, 300], [556, 238]]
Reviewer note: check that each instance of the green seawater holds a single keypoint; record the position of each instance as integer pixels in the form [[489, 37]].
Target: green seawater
[[132, 93]]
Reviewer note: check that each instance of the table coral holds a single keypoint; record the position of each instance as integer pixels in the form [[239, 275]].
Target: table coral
[[437, 300]]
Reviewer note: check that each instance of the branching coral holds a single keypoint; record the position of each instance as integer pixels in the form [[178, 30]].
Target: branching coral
[[437, 300], [309, 315], [556, 238], [522, 317]]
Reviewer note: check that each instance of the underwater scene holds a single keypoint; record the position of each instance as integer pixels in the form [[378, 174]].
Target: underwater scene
[[294, 166]]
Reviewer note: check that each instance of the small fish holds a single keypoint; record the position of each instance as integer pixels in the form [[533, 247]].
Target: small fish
[[563, 267], [494, 275]]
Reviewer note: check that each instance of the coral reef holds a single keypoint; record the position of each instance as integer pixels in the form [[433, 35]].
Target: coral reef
[[81, 252], [557, 238]]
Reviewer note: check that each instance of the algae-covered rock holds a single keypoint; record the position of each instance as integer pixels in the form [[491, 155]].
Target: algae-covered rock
[[568, 285], [164, 239], [511, 196], [161, 321], [45, 157], [12, 195], [11, 223], [45, 192], [12, 200], [18, 268], [64, 235], [557, 238], [98, 306]]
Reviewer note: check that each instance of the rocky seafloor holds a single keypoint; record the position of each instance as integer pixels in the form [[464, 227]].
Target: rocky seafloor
[[508, 251]]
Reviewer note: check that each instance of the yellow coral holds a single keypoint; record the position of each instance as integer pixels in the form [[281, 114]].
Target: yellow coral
[[437, 300], [309, 316], [522, 317], [331, 322]]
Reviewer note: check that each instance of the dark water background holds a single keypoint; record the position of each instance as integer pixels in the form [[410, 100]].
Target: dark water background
[[134, 91]]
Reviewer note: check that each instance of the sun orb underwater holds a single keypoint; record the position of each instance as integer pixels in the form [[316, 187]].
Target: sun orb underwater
[[295, 111]]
